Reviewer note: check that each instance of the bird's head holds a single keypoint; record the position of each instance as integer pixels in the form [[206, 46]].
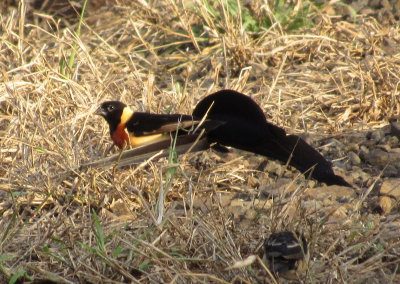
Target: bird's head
[[111, 111]]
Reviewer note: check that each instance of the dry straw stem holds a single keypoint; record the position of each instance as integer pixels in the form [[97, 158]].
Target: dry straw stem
[[163, 56]]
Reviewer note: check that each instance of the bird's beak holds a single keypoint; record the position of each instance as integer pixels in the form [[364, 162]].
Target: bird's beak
[[100, 111]]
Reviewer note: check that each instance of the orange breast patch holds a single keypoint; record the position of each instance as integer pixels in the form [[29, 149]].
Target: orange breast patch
[[120, 137]]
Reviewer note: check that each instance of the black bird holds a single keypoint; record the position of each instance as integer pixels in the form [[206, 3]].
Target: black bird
[[231, 119], [244, 126], [285, 254]]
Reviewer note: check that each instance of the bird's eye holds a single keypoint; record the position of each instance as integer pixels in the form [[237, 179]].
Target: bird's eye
[[110, 108]]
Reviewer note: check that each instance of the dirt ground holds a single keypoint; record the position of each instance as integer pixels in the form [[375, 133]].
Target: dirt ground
[[328, 72]]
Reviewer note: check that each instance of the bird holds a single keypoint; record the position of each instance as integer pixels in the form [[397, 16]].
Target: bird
[[245, 127], [135, 129], [139, 128], [229, 119], [285, 254]]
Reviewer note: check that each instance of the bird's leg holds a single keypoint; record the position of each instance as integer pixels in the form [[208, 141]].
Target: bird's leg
[[109, 149]]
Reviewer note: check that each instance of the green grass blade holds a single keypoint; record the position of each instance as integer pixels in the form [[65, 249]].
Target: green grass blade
[[98, 232]]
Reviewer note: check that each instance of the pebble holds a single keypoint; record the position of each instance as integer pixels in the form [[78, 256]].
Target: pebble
[[394, 157], [354, 158], [274, 168], [312, 205], [390, 171], [340, 164], [335, 143], [395, 128], [331, 193], [385, 203], [393, 141], [253, 181], [364, 152], [377, 135], [385, 147], [378, 157], [353, 147], [358, 175], [370, 143], [395, 150], [391, 187]]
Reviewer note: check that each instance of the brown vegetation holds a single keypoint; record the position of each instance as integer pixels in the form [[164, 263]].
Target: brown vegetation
[[333, 78]]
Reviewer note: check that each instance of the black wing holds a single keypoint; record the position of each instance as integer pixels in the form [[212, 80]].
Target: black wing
[[245, 127], [143, 123]]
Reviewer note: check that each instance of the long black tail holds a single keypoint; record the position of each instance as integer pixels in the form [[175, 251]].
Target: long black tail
[[243, 126]]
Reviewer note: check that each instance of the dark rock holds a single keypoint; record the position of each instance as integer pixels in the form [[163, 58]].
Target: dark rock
[[394, 156], [274, 168], [340, 164], [364, 152], [377, 135], [370, 143], [393, 142], [353, 147], [279, 187], [358, 175], [384, 147], [390, 171], [395, 128], [378, 157], [395, 151], [354, 158]]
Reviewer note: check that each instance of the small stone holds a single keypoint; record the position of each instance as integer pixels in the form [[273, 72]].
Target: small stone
[[250, 214], [391, 187], [385, 203], [378, 157], [237, 203], [377, 135], [384, 147], [225, 199], [390, 171], [333, 192], [364, 151], [395, 151], [312, 205], [340, 212], [281, 186], [274, 168], [395, 128], [366, 11], [340, 164], [394, 157], [353, 147], [119, 208], [253, 181], [238, 212], [354, 158], [393, 142], [358, 174], [335, 143], [369, 143]]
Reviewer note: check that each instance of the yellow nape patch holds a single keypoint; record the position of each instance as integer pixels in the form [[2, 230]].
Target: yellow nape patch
[[142, 140], [126, 115], [136, 141]]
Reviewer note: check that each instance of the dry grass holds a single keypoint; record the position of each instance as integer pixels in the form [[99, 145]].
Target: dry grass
[[163, 56]]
